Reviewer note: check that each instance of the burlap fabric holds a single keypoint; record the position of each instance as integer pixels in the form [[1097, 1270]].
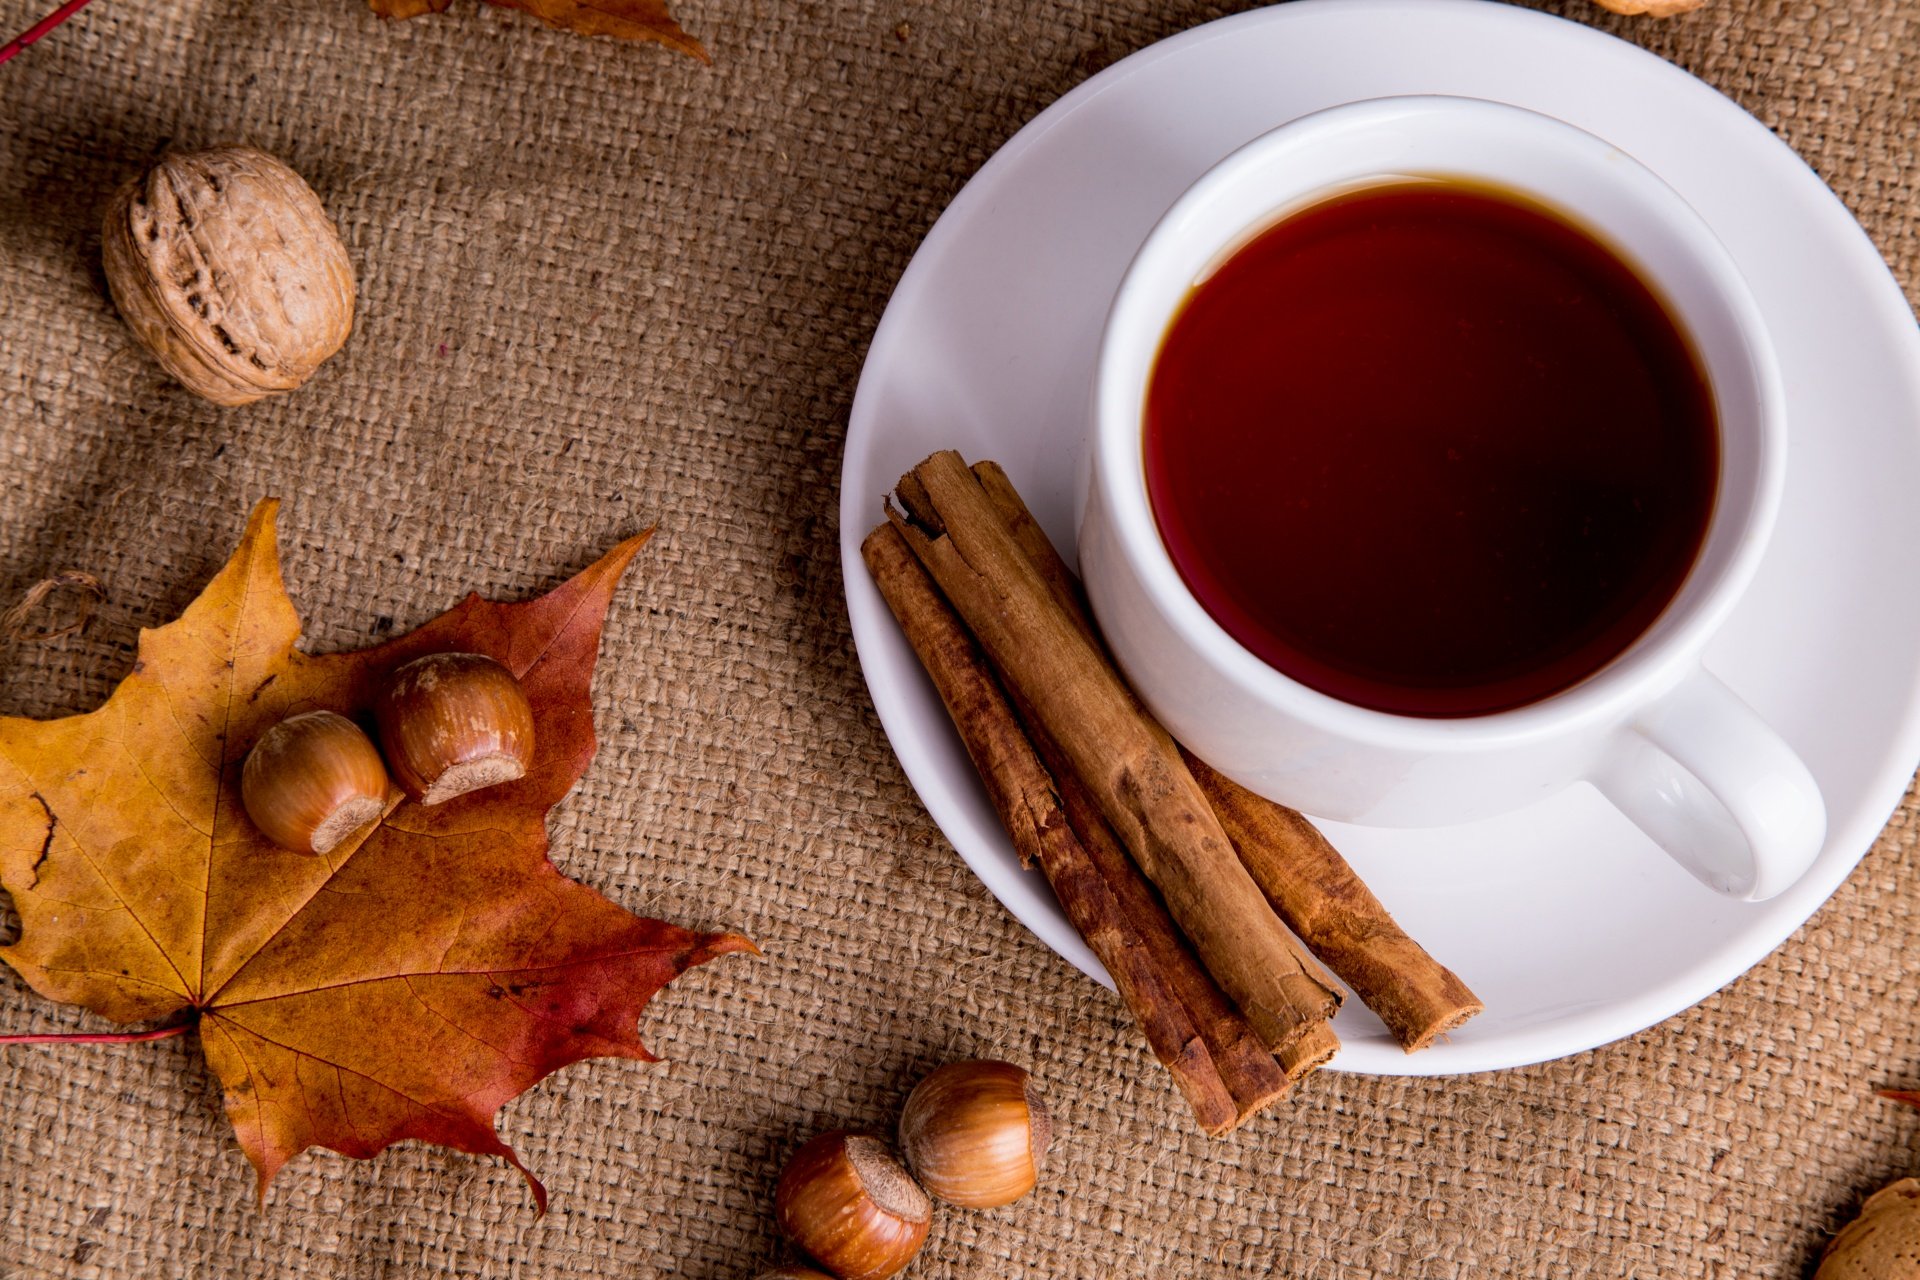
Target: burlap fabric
[[602, 286]]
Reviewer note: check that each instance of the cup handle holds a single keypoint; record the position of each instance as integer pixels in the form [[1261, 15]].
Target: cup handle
[[1702, 774]]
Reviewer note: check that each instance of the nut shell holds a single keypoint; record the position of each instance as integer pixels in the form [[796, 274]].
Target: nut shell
[[451, 723], [852, 1206], [976, 1133], [1883, 1243], [311, 781], [225, 265]]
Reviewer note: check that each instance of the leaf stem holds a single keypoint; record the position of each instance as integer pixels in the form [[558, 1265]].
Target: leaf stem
[[33, 33], [101, 1037]]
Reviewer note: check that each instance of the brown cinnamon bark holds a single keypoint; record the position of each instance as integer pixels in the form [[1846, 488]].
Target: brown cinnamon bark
[[1309, 884], [1223, 1089], [1033, 540], [1317, 1046], [1127, 761], [1337, 916], [1245, 1064], [1310, 1052]]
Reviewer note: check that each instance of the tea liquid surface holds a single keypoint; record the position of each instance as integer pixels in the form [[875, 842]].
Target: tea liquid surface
[[1430, 449]]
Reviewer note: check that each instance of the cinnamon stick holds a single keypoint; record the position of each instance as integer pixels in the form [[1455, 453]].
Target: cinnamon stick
[[1336, 915], [1315, 1048], [1222, 1088], [1244, 1063], [1128, 762], [1309, 884], [1310, 1052], [1033, 540]]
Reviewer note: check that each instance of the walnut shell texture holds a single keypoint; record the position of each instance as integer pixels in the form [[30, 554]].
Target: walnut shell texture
[[227, 268], [1883, 1243]]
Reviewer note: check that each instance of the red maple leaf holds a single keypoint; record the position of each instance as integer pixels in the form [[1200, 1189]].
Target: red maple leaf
[[408, 984]]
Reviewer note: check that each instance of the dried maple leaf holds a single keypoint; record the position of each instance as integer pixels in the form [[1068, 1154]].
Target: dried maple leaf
[[625, 19], [405, 986]]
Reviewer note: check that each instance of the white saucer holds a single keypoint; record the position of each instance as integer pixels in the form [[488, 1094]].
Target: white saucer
[[1573, 928]]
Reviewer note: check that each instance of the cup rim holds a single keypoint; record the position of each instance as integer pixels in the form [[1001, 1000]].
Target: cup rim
[[1655, 661]]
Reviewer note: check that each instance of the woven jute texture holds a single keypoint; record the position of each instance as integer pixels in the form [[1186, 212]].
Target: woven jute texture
[[603, 286]]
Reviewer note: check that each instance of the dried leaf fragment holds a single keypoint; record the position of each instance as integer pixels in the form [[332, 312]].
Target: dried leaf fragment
[[87, 590], [405, 985], [621, 19], [1651, 8]]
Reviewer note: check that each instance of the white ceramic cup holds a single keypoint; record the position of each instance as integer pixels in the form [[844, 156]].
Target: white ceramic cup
[[1667, 743]]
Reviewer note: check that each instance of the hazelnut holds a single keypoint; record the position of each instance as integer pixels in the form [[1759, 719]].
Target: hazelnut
[[975, 1133], [451, 723], [311, 781], [849, 1203], [227, 268]]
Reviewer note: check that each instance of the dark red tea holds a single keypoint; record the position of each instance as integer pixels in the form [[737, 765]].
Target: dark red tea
[[1430, 449]]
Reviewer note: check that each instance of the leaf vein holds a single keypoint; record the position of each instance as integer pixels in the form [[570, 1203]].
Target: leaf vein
[[165, 799], [342, 1067], [603, 957], [488, 1045]]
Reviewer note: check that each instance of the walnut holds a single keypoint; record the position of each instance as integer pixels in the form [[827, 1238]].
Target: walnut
[[228, 269], [1883, 1243]]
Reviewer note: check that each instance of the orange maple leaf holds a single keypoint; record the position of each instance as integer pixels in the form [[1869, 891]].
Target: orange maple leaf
[[406, 985], [624, 19]]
